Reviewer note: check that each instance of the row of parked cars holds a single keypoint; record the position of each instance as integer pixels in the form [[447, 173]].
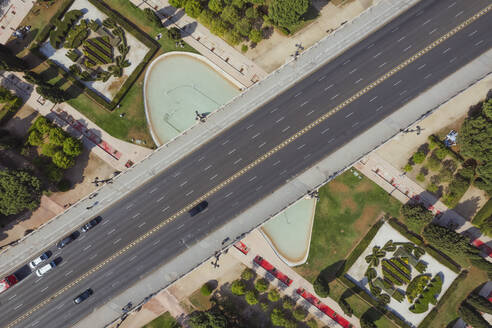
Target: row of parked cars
[[35, 263]]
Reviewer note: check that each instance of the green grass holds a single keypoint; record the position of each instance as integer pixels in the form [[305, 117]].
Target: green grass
[[348, 206], [163, 321]]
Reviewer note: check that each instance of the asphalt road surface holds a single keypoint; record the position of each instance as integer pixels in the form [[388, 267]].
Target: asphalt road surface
[[100, 256]]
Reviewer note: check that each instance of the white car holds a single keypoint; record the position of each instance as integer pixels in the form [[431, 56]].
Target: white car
[[46, 268], [38, 260]]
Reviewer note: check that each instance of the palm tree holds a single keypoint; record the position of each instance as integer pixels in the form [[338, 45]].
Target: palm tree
[[373, 259], [389, 246]]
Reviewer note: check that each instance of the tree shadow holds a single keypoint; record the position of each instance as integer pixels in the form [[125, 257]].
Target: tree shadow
[[17, 45], [468, 208]]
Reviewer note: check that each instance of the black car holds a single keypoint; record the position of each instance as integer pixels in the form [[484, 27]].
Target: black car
[[198, 208], [67, 240], [91, 224], [82, 297]]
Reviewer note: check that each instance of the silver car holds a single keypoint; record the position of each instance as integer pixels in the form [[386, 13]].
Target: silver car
[[38, 260], [46, 268]]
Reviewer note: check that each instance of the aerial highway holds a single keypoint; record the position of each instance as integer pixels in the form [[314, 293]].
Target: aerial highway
[[251, 159]]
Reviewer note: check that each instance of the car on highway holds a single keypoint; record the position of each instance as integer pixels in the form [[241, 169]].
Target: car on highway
[[198, 208], [41, 271], [38, 260], [91, 224], [82, 297], [67, 240]]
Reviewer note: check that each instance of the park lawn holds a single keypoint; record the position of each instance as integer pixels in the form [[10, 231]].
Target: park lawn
[[449, 309], [348, 207], [200, 301], [163, 321]]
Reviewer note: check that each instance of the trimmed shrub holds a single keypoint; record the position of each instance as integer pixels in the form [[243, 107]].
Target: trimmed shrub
[[421, 267], [264, 306], [408, 167], [472, 316], [206, 289], [346, 308], [288, 303], [152, 17], [433, 163], [312, 323], [321, 287], [420, 177], [416, 286], [244, 48], [398, 295], [416, 213]]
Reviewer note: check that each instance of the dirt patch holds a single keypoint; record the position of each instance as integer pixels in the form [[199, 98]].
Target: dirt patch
[[349, 203], [339, 187], [367, 218], [363, 186]]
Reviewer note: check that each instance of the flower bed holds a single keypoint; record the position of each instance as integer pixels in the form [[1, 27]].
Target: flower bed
[[428, 296], [417, 286], [391, 269]]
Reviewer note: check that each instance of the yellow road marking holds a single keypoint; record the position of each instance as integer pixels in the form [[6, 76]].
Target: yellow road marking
[[256, 162]]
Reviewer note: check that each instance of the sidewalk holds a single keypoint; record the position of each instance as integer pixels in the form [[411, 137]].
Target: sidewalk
[[211, 46], [259, 246], [12, 15], [125, 150], [395, 182]]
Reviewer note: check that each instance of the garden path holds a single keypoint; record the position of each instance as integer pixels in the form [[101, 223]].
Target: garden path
[[395, 182], [211, 46]]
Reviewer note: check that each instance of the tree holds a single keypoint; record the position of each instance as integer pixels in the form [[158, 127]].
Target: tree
[[34, 78], [300, 313], [261, 285], [49, 149], [35, 138], [19, 191], [255, 35], [238, 287], [252, 13], [288, 303], [177, 3], [152, 17], [216, 5], [72, 146], [230, 14], [57, 136], [347, 309], [238, 3], [418, 157], [207, 319], [174, 33], [193, 8], [278, 318], [286, 13], [251, 297], [367, 323], [233, 36], [312, 323], [247, 274], [474, 137], [448, 240], [244, 27], [62, 160], [42, 125], [10, 62], [53, 94], [480, 303], [273, 295], [472, 316], [416, 213]]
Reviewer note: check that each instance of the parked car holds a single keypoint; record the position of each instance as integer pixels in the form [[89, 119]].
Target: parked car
[[198, 208], [41, 271], [67, 240], [82, 297], [38, 260], [91, 224]]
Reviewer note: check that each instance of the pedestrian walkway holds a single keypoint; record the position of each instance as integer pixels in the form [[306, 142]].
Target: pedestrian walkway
[[209, 45], [13, 12], [259, 246], [113, 151], [395, 182]]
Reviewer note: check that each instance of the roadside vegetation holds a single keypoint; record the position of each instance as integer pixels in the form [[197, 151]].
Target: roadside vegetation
[[163, 321]]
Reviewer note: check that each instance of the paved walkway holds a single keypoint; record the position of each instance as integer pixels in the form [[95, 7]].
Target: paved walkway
[[259, 246], [127, 151], [12, 15], [211, 46], [401, 187]]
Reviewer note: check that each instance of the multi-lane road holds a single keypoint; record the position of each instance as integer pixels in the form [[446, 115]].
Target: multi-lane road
[[251, 159]]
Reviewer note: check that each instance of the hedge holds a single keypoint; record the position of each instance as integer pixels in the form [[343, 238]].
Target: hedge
[[449, 292], [398, 295], [45, 32], [484, 213], [361, 246], [442, 258], [416, 286]]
